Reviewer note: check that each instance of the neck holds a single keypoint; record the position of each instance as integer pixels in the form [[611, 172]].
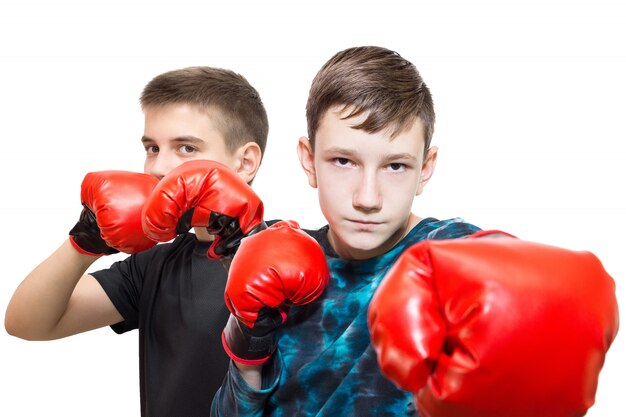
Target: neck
[[202, 234]]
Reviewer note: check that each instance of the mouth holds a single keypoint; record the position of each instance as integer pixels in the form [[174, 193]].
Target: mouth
[[364, 224]]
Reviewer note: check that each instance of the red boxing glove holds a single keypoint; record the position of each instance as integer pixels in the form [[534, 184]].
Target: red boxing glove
[[494, 327], [207, 194], [272, 270], [111, 218]]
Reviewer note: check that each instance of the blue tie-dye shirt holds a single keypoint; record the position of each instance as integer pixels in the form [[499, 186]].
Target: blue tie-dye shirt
[[325, 364]]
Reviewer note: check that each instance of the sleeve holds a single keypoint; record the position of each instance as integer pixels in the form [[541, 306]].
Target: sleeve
[[236, 398], [122, 282]]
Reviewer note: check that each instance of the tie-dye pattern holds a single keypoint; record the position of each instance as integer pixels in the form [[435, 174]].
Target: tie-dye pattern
[[329, 367]]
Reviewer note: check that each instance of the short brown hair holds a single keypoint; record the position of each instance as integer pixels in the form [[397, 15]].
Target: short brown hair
[[374, 81], [242, 116]]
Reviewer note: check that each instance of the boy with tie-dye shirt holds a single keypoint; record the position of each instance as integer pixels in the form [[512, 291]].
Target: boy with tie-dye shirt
[[370, 122]]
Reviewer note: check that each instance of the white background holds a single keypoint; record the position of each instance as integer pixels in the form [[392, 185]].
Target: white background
[[530, 101]]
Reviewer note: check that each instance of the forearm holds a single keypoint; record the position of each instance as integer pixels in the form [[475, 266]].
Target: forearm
[[237, 397], [252, 374], [40, 301]]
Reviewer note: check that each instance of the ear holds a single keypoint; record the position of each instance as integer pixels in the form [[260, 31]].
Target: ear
[[248, 160], [428, 168], [307, 160]]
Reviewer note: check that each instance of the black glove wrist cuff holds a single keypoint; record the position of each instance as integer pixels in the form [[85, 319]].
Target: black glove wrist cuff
[[244, 346], [86, 235]]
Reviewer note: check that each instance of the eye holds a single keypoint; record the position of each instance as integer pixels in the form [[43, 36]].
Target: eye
[[342, 162], [396, 167], [152, 149], [187, 149]]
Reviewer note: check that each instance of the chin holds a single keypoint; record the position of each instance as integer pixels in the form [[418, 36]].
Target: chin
[[359, 245], [366, 248]]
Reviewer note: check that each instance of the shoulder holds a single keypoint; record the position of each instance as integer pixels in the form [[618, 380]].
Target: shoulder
[[431, 228], [183, 242], [321, 236], [317, 234]]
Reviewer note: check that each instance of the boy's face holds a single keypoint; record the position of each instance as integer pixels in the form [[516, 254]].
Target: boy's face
[[177, 133], [366, 182]]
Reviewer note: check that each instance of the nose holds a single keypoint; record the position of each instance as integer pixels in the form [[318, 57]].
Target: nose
[[159, 165], [367, 196]]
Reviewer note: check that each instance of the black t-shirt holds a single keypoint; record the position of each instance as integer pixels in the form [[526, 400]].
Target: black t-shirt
[[174, 295]]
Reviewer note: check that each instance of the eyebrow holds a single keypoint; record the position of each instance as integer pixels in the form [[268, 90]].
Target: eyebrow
[[186, 139], [403, 156], [339, 151]]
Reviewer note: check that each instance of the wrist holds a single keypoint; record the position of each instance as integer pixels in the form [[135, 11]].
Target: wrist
[[244, 347], [82, 251], [87, 256], [251, 374]]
